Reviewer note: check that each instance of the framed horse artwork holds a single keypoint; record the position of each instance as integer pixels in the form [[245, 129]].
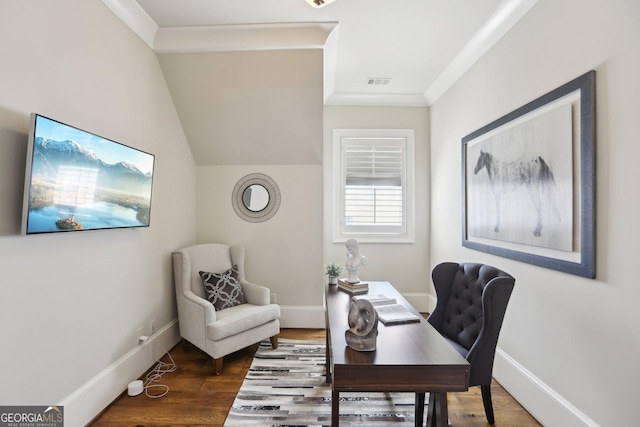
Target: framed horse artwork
[[528, 182]]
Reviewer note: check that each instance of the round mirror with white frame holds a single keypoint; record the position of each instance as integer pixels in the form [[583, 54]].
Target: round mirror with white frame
[[256, 198]]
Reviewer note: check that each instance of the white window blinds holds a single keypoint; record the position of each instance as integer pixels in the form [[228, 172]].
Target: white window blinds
[[374, 176], [372, 185]]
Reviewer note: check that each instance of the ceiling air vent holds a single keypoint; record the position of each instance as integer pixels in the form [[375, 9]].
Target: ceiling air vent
[[378, 80]]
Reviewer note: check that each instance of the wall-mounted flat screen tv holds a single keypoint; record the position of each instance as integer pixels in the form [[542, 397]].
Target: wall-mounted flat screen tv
[[76, 180]]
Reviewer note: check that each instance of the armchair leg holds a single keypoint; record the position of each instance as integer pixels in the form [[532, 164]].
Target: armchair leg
[[274, 341], [217, 365], [486, 399]]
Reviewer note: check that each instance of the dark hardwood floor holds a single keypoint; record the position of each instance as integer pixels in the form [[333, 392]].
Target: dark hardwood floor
[[198, 398]]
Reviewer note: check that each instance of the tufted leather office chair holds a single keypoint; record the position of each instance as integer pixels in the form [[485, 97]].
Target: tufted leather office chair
[[472, 301]]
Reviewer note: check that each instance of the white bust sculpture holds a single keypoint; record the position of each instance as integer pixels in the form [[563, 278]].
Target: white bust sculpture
[[355, 260]]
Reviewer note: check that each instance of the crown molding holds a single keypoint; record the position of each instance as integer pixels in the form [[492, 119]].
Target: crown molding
[[377, 99], [132, 14], [508, 13], [313, 35], [224, 38], [220, 38]]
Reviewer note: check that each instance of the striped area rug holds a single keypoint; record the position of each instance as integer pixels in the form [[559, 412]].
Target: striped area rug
[[286, 387]]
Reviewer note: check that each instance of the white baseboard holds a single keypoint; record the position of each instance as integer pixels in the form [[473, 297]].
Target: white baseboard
[[96, 394], [422, 302], [545, 404], [302, 316], [539, 399]]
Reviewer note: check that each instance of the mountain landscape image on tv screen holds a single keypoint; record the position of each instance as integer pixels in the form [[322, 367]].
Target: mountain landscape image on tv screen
[[80, 181]]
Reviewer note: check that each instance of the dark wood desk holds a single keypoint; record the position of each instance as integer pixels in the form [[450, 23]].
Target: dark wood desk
[[410, 357]]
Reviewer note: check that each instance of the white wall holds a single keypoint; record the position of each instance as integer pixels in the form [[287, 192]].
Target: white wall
[[71, 304], [252, 136], [569, 345], [261, 107], [283, 253], [403, 264]]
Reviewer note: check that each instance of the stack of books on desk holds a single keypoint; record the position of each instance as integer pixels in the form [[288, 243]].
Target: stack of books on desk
[[388, 309], [353, 288]]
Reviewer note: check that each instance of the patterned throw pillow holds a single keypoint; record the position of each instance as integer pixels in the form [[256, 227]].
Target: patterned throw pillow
[[223, 289]]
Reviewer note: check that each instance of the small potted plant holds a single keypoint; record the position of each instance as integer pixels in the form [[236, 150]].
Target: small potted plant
[[334, 271]]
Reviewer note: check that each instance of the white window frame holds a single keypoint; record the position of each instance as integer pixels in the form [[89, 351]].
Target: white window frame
[[341, 233]]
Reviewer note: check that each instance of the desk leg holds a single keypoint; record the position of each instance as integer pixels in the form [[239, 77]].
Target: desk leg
[[437, 412], [335, 408], [419, 409], [328, 348], [328, 357]]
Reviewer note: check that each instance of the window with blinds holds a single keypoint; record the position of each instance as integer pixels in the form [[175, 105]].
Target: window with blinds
[[373, 197]]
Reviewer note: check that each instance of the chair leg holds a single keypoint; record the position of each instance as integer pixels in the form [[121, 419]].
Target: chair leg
[[486, 399], [274, 341], [419, 415], [217, 365]]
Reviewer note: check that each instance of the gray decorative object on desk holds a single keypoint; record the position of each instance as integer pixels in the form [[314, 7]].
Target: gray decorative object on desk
[[363, 324]]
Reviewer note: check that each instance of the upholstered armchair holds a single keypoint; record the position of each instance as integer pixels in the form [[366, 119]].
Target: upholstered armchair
[[242, 316], [472, 301]]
